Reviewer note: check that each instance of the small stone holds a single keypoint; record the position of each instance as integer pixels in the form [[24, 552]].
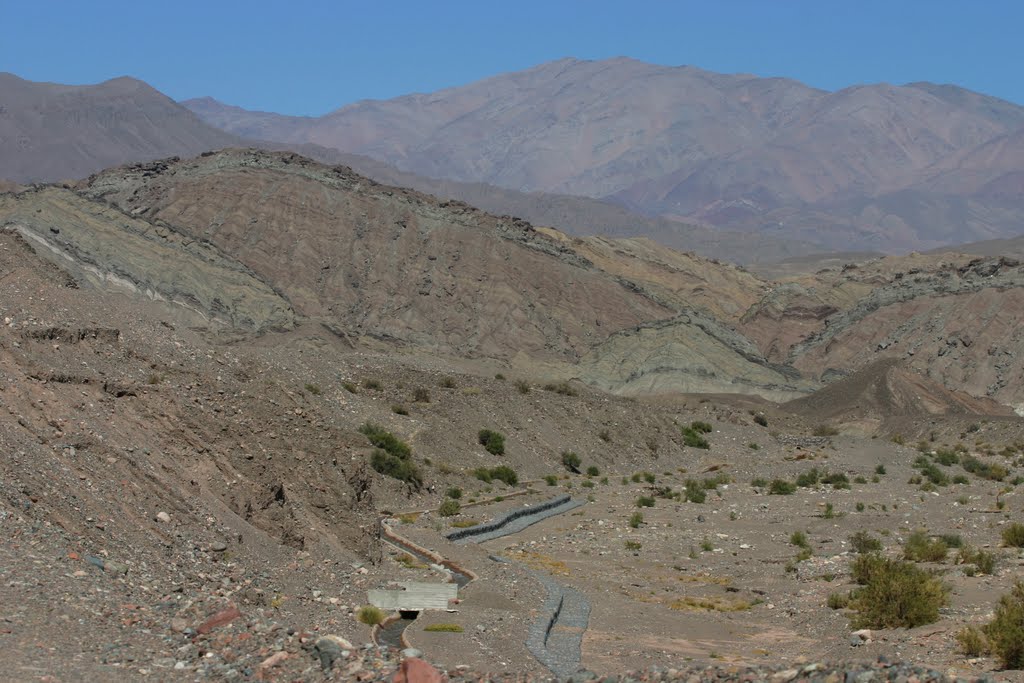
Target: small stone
[[273, 660], [218, 546], [222, 618], [855, 641], [330, 648], [411, 652], [163, 517], [178, 625]]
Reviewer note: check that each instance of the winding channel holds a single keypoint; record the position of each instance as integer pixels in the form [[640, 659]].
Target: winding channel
[[555, 638]]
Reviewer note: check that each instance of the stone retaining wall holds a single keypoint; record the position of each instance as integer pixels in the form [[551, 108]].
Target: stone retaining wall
[[497, 524]]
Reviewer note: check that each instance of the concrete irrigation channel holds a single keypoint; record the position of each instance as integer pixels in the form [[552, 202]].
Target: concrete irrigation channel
[[556, 637]]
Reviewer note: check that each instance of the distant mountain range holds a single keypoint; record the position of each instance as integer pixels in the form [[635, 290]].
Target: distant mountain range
[[736, 167], [869, 167]]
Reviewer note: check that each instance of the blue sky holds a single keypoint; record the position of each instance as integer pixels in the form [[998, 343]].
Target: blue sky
[[311, 57]]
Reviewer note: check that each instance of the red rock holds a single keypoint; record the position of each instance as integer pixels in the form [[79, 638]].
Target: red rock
[[74, 556], [415, 670], [273, 660], [221, 618]]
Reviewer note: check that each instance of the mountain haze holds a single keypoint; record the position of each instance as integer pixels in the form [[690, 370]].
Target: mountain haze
[[859, 168]]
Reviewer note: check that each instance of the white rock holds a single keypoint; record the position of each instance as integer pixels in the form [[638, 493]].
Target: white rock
[[163, 517]]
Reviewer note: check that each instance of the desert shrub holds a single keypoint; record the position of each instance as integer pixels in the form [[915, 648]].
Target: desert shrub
[[960, 479], [649, 477], [522, 386], [311, 388], [443, 628], [701, 427], [371, 384], [860, 507], [571, 461], [500, 377], [605, 436], [563, 388], [754, 446], [895, 594], [645, 502], [952, 540], [483, 474], [587, 484], [449, 508], [695, 493], [984, 470], [836, 480], [393, 466], [761, 420], [978, 561], [551, 480], [879, 469], [636, 520], [633, 545], [399, 409], [447, 382], [931, 472], [693, 439], [919, 547], [808, 478], [781, 487], [825, 430], [799, 539], [972, 641], [381, 438], [863, 542], [838, 601], [349, 387], [759, 482], [454, 492], [493, 442], [501, 473], [370, 615], [1013, 535], [1005, 633], [860, 479], [421, 395], [593, 471], [830, 511], [946, 457], [712, 483]]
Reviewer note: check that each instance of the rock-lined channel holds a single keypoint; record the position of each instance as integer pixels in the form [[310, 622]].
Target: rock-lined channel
[[556, 637]]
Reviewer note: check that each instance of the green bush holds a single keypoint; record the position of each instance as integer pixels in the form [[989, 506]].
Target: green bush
[[447, 382], [895, 594], [692, 438], [863, 542], [759, 482], [421, 395], [761, 420], [551, 479], [370, 615], [632, 545], [984, 470], [1005, 632], [701, 427], [919, 547], [449, 508], [972, 641], [311, 388], [1013, 535], [799, 539], [836, 480], [645, 502], [493, 442], [781, 487], [636, 520], [978, 561], [399, 409], [694, 491], [350, 387], [522, 386], [571, 461], [454, 492], [592, 471], [398, 468], [384, 439], [809, 478], [501, 473], [838, 601], [371, 384]]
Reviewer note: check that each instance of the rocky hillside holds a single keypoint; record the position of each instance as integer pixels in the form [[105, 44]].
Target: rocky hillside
[[54, 132], [867, 167]]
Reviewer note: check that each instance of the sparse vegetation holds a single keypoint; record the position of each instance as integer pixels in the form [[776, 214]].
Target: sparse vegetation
[[895, 594], [976, 561], [449, 508], [421, 395], [551, 480], [633, 545], [349, 387], [919, 547], [311, 388], [692, 435], [370, 615], [825, 430], [454, 492], [522, 386], [1013, 535], [371, 384], [563, 388], [636, 520], [1005, 633], [781, 487], [447, 383], [694, 491], [605, 436], [571, 461], [862, 542], [492, 441], [593, 471], [399, 410], [760, 419], [502, 473], [645, 502], [443, 628]]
